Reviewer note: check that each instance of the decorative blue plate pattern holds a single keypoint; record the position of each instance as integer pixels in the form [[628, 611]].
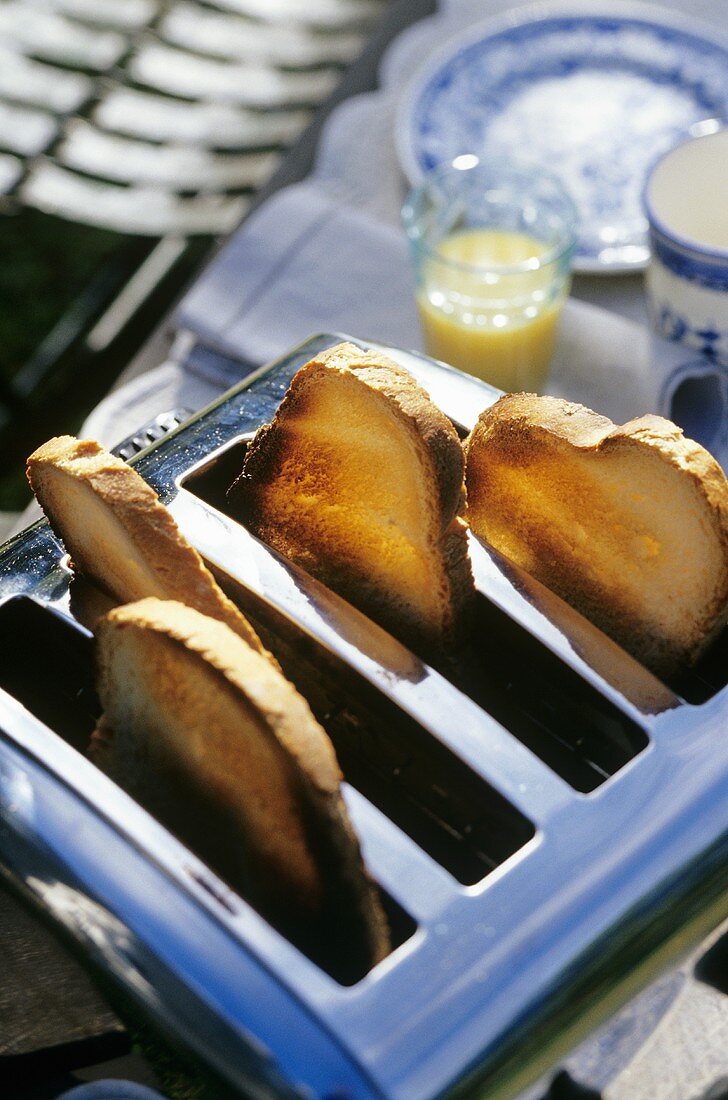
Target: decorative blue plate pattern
[[595, 98]]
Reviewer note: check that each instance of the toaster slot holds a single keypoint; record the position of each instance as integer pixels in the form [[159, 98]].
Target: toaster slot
[[583, 736], [48, 668], [211, 479], [709, 675], [526, 600], [712, 967], [564, 720], [452, 813]]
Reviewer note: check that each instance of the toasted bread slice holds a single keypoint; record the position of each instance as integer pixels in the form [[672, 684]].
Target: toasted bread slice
[[627, 523], [214, 741], [359, 479], [119, 535]]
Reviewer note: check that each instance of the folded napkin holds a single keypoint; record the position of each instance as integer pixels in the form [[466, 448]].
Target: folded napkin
[[303, 263], [168, 387]]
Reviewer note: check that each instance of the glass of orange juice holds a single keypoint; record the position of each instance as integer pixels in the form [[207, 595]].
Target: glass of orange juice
[[492, 247]]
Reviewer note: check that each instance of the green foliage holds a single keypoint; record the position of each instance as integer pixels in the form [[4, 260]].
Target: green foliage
[[45, 263]]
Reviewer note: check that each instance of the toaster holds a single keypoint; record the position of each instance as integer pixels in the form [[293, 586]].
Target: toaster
[[547, 835]]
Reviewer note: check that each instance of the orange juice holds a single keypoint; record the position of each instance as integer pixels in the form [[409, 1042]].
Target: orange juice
[[488, 306]]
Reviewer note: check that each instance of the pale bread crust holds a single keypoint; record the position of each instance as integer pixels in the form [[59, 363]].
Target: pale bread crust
[[519, 428], [304, 869], [147, 532], [428, 434]]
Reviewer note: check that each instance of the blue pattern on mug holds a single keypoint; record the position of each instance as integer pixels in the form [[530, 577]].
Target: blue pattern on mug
[[707, 339]]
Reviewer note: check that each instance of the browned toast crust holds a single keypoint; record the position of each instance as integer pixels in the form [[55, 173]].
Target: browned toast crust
[[145, 554], [212, 738], [281, 464], [559, 488]]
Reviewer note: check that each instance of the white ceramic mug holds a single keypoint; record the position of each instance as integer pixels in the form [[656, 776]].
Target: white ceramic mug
[[686, 203]]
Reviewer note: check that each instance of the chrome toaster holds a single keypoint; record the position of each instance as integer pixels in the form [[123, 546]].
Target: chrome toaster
[[545, 838]]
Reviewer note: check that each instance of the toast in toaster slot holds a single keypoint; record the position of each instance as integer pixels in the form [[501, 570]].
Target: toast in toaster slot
[[209, 480], [207, 735], [359, 480], [51, 650], [119, 535], [627, 523], [455, 815], [504, 665]]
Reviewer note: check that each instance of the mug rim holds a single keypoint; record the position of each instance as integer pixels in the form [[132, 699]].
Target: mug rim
[[656, 223]]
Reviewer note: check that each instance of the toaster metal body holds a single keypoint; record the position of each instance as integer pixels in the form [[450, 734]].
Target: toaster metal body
[[547, 835]]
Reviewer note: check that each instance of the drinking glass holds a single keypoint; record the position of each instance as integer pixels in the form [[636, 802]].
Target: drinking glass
[[492, 246]]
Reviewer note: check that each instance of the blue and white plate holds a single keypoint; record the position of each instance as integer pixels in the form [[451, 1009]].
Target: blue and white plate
[[594, 97]]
